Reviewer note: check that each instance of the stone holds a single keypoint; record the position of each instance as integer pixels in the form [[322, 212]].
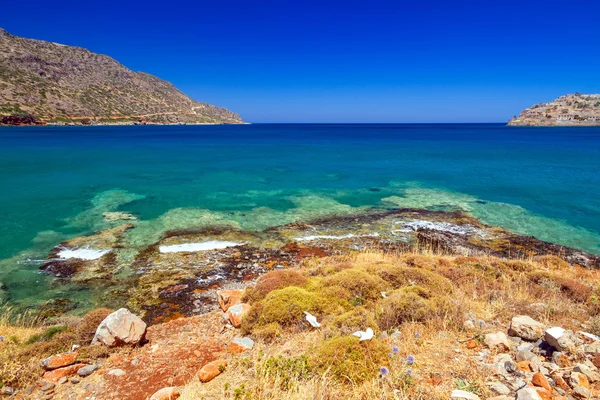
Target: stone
[[596, 360], [7, 390], [498, 398], [526, 328], [471, 344], [168, 393], [559, 338], [116, 372], [469, 325], [47, 386], [499, 388], [229, 298], [540, 380], [524, 366], [525, 355], [59, 360], [528, 393], [578, 379], [461, 394], [592, 376], [211, 370], [236, 313], [561, 383], [87, 370], [63, 380], [75, 380], [497, 341], [582, 392], [560, 359], [120, 328], [56, 374], [240, 345]]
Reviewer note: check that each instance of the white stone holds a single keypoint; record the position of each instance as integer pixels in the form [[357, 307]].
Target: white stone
[[120, 327], [528, 394], [461, 394], [526, 328]]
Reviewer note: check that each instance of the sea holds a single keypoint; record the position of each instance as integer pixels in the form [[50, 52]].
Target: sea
[[56, 182]]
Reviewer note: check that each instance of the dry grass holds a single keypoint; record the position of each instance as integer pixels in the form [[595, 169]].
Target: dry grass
[[451, 289]]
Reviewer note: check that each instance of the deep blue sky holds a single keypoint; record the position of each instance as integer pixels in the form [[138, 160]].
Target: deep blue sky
[[341, 61]]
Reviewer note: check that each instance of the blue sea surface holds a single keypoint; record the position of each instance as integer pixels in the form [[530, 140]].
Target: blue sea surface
[[55, 182]]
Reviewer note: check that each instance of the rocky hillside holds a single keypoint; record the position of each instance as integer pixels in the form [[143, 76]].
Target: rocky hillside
[[65, 84], [569, 110]]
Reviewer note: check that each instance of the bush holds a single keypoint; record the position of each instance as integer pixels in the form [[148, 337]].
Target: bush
[[359, 284], [405, 305], [284, 306], [350, 360], [357, 319], [399, 276], [271, 281]]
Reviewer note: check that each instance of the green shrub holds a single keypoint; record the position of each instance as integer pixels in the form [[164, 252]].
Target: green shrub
[[398, 276], [404, 305], [349, 360], [357, 319], [359, 284], [273, 280]]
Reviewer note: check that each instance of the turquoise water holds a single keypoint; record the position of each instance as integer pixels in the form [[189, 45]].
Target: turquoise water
[[57, 181]]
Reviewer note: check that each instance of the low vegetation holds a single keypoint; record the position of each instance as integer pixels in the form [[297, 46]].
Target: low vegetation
[[416, 303]]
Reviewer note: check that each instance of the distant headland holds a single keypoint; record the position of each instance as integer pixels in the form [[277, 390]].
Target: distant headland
[[569, 110], [48, 83]]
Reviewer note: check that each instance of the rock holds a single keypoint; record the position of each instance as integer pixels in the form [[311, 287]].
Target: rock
[[524, 366], [540, 380], [596, 360], [471, 344], [47, 386], [236, 313], [87, 370], [239, 345], [582, 393], [229, 298], [526, 328], [578, 379], [75, 380], [112, 216], [120, 328], [168, 393], [59, 360], [469, 325], [497, 341], [211, 370], [560, 359], [461, 394], [62, 380], [562, 340], [7, 391], [56, 374], [528, 393], [592, 376], [116, 372], [498, 398], [499, 388], [525, 355]]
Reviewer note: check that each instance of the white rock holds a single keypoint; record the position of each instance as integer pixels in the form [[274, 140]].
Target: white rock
[[116, 372], [366, 335], [497, 341], [560, 339], [526, 328], [119, 328], [528, 393], [461, 394]]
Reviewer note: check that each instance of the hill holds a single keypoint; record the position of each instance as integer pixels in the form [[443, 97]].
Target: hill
[[64, 84], [569, 110]]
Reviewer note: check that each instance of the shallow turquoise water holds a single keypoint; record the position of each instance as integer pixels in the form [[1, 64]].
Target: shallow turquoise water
[[56, 182]]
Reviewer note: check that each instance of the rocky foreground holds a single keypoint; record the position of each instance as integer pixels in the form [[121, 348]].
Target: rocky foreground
[[569, 110], [398, 304], [50, 83]]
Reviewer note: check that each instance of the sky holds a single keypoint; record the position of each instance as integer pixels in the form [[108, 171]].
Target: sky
[[340, 61]]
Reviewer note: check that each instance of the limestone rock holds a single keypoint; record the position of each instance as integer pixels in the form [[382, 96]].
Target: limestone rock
[[560, 339], [578, 379], [56, 374], [461, 394], [120, 328], [116, 372], [229, 298], [168, 393], [499, 388], [540, 380], [59, 360], [236, 313], [528, 393], [211, 370], [526, 328], [497, 341], [592, 376]]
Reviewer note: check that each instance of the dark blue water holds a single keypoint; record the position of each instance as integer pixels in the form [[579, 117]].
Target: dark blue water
[[57, 181]]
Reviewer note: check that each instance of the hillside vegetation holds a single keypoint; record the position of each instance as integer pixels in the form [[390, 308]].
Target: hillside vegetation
[[66, 84]]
